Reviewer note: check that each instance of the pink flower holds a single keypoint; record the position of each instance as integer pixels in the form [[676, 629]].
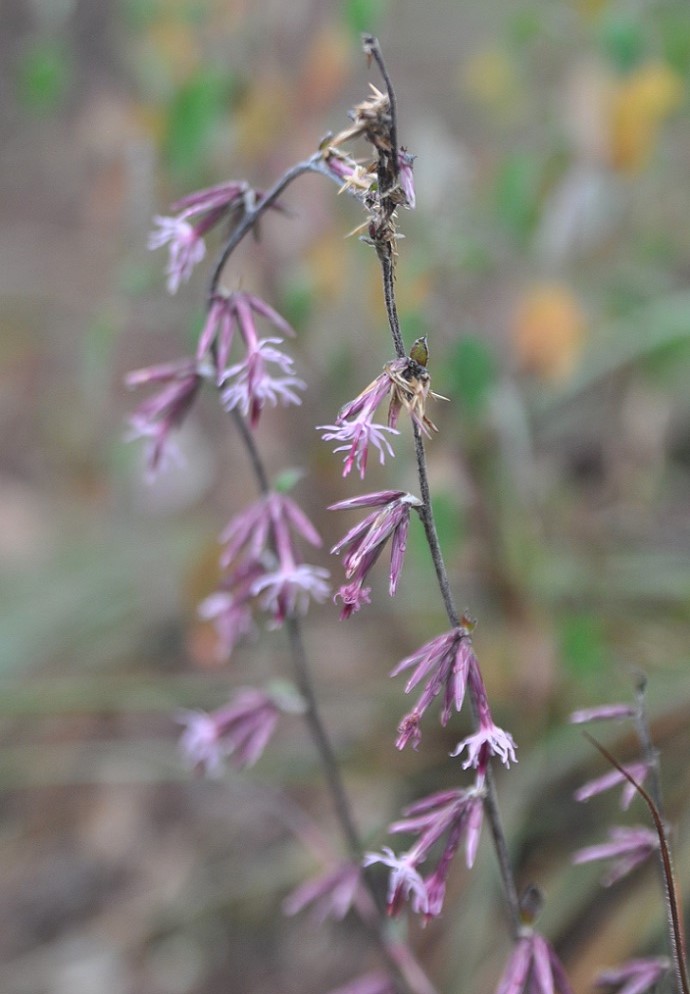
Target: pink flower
[[405, 176], [629, 847], [534, 968], [445, 664], [240, 730], [404, 882], [331, 895], [365, 542], [489, 739], [456, 812], [604, 712], [185, 239], [287, 591], [635, 976], [236, 310], [638, 771], [156, 417], [186, 248], [252, 386], [355, 427], [263, 562]]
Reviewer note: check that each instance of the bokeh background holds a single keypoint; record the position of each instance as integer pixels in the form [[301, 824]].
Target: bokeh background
[[548, 260]]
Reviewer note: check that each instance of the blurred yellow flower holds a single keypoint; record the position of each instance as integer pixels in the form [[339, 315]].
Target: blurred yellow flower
[[548, 331], [489, 77], [639, 105]]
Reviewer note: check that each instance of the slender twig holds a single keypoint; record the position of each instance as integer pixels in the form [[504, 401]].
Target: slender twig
[[250, 218], [398, 956], [373, 49], [672, 900]]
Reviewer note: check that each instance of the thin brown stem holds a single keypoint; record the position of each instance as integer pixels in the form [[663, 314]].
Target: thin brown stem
[[672, 900]]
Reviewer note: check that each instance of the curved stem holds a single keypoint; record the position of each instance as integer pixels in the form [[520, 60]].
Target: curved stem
[[250, 219]]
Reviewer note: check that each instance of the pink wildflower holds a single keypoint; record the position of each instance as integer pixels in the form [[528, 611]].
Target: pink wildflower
[[603, 712], [186, 240], [365, 542], [445, 663], [355, 427], [489, 739], [635, 976], [240, 730], [534, 968], [404, 883], [405, 176], [156, 417], [638, 771], [629, 847], [331, 894]]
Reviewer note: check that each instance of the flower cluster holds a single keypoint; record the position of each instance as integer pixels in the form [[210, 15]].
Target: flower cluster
[[455, 814], [239, 731], [365, 542], [407, 385], [185, 240], [262, 567]]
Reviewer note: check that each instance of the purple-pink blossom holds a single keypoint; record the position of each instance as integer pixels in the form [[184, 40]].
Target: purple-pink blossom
[[356, 429], [614, 778], [157, 417], [628, 848], [365, 542], [604, 712], [186, 240], [330, 895], [445, 664], [534, 968], [240, 731], [454, 816], [636, 976], [406, 177], [404, 883]]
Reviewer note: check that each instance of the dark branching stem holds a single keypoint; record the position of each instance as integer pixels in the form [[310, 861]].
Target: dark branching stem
[[373, 50], [672, 901], [398, 956], [426, 514], [251, 217]]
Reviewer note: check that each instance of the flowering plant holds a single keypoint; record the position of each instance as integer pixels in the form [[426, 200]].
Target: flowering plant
[[264, 577]]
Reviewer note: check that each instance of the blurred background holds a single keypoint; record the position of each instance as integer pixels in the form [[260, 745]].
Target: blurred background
[[548, 261]]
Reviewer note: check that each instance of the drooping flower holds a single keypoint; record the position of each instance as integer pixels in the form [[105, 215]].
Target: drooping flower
[[230, 608], [365, 542], [186, 240], [534, 968], [614, 778], [636, 976], [240, 731], [330, 895], [629, 847], [445, 664], [156, 417], [489, 739], [356, 429], [604, 712], [406, 177], [249, 385], [229, 311], [407, 384], [404, 883]]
